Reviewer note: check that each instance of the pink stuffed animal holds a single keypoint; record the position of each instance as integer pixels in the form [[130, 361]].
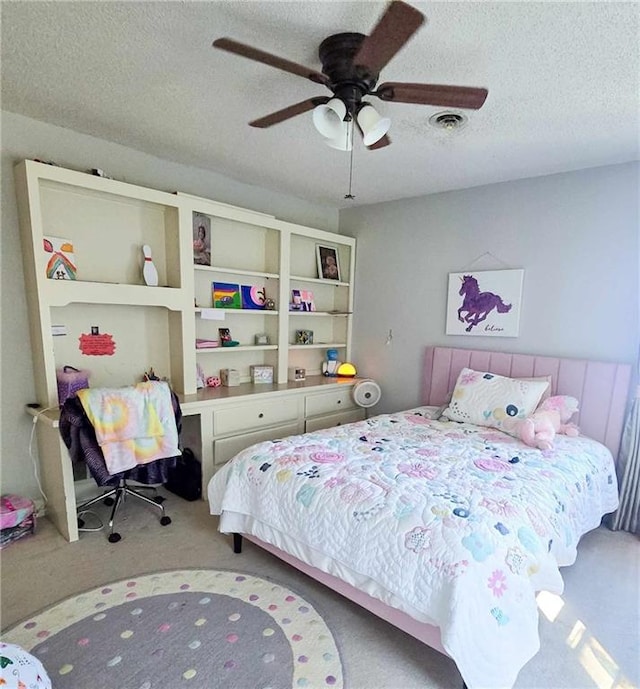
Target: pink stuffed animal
[[551, 417]]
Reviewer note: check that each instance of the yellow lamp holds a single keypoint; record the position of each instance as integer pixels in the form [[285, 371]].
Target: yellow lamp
[[346, 370]]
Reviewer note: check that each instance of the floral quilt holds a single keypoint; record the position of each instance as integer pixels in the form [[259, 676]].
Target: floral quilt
[[458, 525]]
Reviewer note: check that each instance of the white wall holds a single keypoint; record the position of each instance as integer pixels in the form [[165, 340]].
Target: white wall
[[27, 138], [575, 234]]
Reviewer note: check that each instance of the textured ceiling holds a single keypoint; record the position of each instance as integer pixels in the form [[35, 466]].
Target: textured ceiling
[[563, 82]]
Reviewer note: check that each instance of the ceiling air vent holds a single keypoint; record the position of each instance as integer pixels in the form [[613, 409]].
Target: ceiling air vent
[[448, 120]]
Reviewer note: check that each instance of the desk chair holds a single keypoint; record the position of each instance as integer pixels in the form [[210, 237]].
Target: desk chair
[[80, 438]]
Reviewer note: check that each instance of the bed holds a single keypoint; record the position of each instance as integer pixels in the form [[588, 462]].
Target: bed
[[445, 529]]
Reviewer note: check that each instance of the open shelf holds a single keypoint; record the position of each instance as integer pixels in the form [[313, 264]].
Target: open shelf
[[239, 348], [237, 271], [321, 345], [254, 312], [318, 281], [319, 313], [63, 292]]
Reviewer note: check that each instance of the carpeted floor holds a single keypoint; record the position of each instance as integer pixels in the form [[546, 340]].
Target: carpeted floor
[[589, 636]]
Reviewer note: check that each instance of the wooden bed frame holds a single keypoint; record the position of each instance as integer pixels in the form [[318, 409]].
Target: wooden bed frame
[[601, 387]]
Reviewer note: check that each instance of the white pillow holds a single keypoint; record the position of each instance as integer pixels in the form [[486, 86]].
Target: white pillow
[[487, 399]]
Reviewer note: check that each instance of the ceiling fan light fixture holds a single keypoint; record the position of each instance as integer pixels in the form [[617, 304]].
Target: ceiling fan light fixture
[[344, 140], [373, 125], [328, 118]]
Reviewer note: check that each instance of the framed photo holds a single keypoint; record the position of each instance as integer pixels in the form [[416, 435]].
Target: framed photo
[[328, 265], [201, 239], [484, 303], [304, 337]]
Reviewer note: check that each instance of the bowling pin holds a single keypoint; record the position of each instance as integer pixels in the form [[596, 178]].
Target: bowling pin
[[149, 272]]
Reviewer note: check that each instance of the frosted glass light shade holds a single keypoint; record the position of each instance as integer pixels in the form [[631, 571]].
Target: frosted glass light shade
[[328, 118], [373, 126], [344, 140]]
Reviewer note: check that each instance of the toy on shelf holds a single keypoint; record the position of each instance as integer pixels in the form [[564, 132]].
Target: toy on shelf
[[225, 338], [331, 365], [150, 375], [149, 272], [200, 380]]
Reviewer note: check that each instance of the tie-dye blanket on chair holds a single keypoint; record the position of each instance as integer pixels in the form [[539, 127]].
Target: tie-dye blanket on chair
[[133, 425]]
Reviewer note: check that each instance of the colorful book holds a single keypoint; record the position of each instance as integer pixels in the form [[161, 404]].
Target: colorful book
[[226, 295], [253, 297], [61, 263]]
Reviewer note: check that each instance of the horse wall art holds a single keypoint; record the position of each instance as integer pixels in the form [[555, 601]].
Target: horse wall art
[[489, 305]]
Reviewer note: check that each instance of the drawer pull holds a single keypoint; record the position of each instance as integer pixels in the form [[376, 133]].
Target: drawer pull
[[260, 415], [339, 401]]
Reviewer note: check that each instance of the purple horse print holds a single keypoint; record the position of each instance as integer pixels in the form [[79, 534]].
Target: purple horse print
[[478, 305]]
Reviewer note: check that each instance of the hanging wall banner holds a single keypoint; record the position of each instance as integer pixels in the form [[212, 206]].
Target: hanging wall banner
[[484, 303]]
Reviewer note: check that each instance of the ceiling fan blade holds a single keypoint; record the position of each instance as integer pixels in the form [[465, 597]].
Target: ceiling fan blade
[[396, 26], [433, 94], [251, 53], [291, 111]]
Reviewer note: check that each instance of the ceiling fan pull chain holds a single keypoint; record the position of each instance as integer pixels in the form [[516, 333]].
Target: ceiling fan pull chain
[[350, 195]]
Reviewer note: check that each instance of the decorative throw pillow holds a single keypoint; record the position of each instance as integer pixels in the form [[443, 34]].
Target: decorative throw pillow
[[540, 379], [487, 399]]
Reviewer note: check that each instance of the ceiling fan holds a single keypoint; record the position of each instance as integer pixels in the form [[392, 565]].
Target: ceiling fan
[[351, 65]]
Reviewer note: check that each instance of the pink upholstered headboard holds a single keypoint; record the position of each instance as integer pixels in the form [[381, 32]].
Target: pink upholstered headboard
[[601, 388]]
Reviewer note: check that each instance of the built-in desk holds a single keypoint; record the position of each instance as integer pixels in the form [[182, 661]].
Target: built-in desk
[[217, 424]]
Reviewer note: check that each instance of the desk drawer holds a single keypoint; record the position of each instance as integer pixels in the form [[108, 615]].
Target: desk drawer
[[328, 402], [254, 415], [225, 449], [333, 420]]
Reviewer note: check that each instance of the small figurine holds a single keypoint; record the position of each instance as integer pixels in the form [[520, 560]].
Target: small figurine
[[149, 272], [331, 365], [200, 382], [150, 375], [269, 304]]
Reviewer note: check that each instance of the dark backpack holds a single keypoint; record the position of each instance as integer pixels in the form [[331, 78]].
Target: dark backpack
[[185, 479]]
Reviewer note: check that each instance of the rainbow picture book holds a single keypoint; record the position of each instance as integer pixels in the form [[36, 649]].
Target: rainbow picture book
[[226, 295], [61, 263]]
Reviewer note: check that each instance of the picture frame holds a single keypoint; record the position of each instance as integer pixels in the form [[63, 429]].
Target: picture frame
[[262, 339], [485, 303], [328, 262], [304, 337], [261, 374], [201, 239]]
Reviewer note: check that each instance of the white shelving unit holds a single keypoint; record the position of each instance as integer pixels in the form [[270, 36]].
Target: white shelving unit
[[108, 222]]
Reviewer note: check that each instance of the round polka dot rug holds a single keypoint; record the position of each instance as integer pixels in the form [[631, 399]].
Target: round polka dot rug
[[191, 629]]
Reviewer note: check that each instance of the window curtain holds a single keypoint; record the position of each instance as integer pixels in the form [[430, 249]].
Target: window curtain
[[627, 517]]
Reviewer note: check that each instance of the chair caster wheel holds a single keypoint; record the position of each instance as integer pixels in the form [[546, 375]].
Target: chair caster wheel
[[114, 537], [159, 499], [165, 520], [108, 501], [80, 523]]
